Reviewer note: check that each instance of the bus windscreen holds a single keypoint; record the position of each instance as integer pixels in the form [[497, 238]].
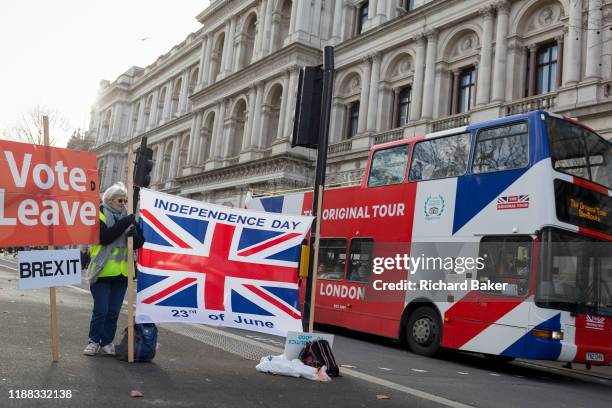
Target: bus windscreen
[[580, 152]]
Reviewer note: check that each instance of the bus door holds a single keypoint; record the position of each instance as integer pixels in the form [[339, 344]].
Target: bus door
[[502, 304]]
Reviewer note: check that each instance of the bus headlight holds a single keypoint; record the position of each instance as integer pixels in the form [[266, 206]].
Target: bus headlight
[[557, 335]]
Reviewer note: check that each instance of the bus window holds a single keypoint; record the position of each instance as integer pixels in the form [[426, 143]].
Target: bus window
[[332, 258], [440, 158], [579, 152], [388, 166], [501, 148], [360, 259], [507, 260]]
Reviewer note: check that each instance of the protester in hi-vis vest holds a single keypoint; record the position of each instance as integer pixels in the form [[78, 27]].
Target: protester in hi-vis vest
[[107, 271]]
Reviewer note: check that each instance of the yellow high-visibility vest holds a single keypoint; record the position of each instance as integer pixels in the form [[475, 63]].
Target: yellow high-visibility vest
[[116, 265]]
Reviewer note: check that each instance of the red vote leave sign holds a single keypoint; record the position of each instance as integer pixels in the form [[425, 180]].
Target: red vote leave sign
[[48, 195]]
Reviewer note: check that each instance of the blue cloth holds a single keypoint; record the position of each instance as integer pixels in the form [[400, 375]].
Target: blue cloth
[[108, 294]]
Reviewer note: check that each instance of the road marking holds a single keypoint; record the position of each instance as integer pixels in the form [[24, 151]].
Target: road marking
[[385, 369], [495, 374], [462, 373], [406, 390], [416, 370], [346, 371]]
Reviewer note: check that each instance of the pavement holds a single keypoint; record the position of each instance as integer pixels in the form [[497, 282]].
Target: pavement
[[203, 366], [185, 372]]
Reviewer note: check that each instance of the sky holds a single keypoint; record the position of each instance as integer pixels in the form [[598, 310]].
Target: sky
[[54, 53]]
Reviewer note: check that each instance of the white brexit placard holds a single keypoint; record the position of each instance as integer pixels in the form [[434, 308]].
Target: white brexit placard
[[49, 268]]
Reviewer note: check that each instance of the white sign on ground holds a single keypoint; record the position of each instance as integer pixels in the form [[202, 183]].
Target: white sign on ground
[[48, 268], [297, 340]]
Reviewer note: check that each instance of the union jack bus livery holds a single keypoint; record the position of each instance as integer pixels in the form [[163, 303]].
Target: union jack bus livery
[[537, 185]]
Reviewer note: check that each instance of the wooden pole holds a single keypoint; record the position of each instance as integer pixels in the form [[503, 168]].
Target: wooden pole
[[315, 260], [130, 259], [52, 292]]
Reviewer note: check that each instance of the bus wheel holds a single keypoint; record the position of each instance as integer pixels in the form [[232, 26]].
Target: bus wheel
[[424, 331]]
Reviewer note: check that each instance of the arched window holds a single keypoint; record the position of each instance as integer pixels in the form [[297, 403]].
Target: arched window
[[248, 40], [217, 54], [193, 80], [161, 100], [282, 19], [147, 112], [272, 127], [135, 113], [184, 151], [362, 17]]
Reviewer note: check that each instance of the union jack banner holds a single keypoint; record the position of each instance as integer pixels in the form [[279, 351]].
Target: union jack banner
[[204, 263], [513, 202]]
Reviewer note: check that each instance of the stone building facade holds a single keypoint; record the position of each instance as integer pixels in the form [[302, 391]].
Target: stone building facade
[[217, 109]]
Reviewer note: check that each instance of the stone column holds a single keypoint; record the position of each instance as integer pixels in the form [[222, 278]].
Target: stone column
[[430, 72], [501, 50], [381, 5], [372, 11], [184, 95], [257, 119], [302, 26], [484, 77], [365, 94], [280, 132], [248, 132], [154, 118], [455, 94], [337, 21], [204, 69], [336, 120], [266, 43], [419, 74], [276, 20], [230, 47], [574, 48], [159, 163], [115, 125], [219, 132], [194, 138], [560, 51], [289, 116], [293, 17], [533, 68], [347, 20], [203, 62], [395, 112], [373, 100], [261, 16], [265, 116], [594, 40]]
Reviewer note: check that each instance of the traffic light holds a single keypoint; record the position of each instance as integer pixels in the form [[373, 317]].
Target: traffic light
[[143, 166], [308, 108]]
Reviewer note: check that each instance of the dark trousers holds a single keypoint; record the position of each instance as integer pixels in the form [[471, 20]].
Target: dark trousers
[[108, 297]]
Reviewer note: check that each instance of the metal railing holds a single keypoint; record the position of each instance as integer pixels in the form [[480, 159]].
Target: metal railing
[[547, 101]]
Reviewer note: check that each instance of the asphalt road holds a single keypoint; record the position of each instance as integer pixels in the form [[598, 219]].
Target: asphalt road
[[202, 366]]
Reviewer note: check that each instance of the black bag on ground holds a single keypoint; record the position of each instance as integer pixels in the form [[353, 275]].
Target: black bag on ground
[[318, 353], [145, 343]]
